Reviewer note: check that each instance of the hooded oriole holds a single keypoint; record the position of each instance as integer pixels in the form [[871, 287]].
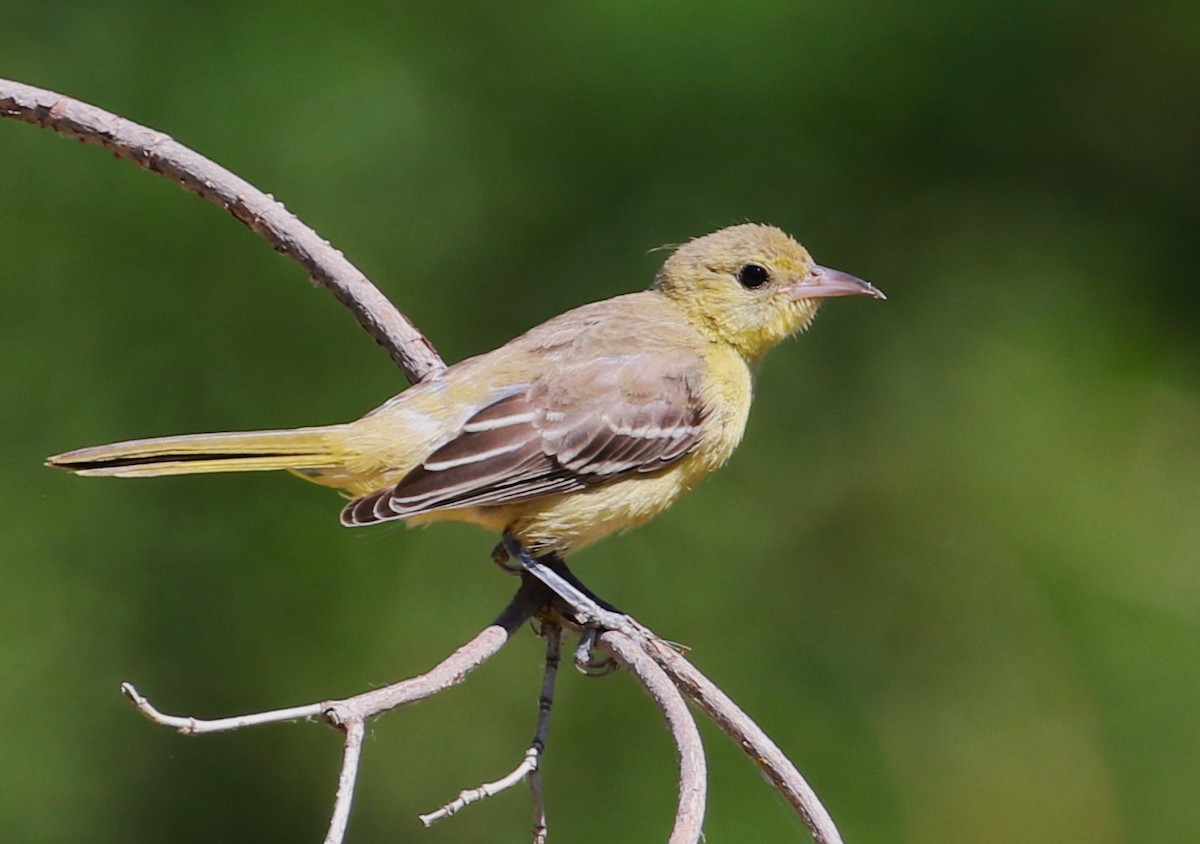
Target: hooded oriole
[[590, 423]]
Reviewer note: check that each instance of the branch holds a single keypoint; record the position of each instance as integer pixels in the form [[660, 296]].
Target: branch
[[451, 671], [649, 658], [693, 773], [350, 714], [265, 215], [585, 611], [749, 737]]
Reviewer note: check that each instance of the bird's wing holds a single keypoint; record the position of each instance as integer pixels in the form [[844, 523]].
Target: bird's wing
[[564, 431]]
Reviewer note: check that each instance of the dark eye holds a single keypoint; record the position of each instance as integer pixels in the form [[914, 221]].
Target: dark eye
[[753, 276]]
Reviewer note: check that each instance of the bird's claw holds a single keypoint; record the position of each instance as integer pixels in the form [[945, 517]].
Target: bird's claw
[[587, 660]]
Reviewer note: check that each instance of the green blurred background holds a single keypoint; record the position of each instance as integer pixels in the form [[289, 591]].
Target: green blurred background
[[952, 570]]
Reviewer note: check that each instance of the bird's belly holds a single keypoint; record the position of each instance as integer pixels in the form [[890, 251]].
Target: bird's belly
[[567, 523]]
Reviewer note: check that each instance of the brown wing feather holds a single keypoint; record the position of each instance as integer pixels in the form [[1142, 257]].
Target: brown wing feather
[[605, 420]]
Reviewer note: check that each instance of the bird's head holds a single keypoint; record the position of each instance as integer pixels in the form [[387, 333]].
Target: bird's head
[[751, 286]]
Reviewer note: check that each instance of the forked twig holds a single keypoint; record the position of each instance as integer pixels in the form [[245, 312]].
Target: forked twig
[[350, 714], [530, 766]]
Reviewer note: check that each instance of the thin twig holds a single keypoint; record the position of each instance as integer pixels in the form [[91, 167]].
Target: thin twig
[[196, 726], [531, 762], [468, 796], [553, 633], [538, 799], [351, 754], [266, 216], [693, 783]]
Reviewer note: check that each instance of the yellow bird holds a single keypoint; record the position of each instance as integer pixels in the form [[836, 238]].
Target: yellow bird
[[590, 423]]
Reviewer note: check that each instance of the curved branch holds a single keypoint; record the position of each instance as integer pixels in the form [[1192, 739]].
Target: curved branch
[[749, 737], [265, 215], [693, 772], [451, 671], [587, 612]]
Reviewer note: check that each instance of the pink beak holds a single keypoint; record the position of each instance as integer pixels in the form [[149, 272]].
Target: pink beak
[[822, 283]]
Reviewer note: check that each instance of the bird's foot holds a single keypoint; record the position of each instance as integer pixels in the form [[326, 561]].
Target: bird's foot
[[501, 558], [583, 606], [588, 660]]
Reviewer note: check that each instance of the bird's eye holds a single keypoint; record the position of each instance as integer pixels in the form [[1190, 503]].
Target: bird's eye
[[753, 276]]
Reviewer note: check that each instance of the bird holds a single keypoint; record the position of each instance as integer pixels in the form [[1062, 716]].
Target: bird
[[591, 423]]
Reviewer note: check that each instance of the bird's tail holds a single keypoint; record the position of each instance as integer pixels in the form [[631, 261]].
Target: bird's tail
[[306, 451]]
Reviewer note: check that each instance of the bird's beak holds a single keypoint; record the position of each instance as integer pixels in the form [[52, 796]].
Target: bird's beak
[[822, 283]]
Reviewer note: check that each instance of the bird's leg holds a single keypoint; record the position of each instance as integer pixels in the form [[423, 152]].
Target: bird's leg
[[500, 557], [559, 565], [586, 608], [586, 658], [554, 566]]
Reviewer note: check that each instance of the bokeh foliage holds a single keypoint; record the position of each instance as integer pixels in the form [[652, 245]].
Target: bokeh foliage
[[953, 569]]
